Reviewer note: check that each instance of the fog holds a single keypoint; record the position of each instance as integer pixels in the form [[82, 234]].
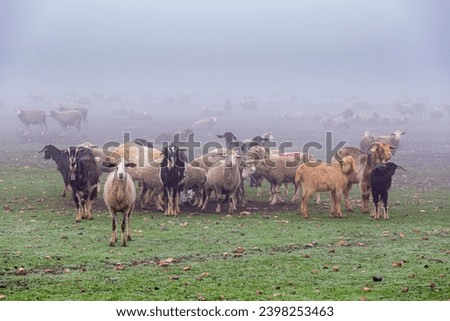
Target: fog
[[312, 48]]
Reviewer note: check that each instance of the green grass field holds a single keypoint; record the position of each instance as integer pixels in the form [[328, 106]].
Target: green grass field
[[266, 254]]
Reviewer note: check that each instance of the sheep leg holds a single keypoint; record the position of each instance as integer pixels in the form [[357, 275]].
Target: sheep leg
[[123, 226], [286, 190], [219, 201], [114, 227], [276, 197], [207, 196], [128, 222], [158, 201], [142, 195]]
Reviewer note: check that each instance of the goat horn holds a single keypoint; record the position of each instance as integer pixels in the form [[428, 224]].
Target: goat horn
[[375, 143], [398, 166]]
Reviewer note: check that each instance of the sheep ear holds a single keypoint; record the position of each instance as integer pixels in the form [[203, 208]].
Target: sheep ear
[[132, 165], [219, 136]]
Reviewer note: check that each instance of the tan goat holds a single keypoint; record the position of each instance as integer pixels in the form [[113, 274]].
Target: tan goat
[[326, 177]]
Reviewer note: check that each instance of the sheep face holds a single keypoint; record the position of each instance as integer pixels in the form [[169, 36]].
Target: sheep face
[[121, 170]]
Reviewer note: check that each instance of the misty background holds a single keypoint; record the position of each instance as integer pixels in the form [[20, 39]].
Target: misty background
[[387, 48]]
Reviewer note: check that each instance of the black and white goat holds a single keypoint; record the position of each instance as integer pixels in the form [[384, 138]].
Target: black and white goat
[[172, 173], [380, 182], [83, 176]]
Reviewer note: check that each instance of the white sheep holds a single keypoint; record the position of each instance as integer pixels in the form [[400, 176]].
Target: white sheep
[[119, 195], [225, 178], [326, 177], [32, 117], [393, 140], [82, 110], [194, 179], [276, 169], [67, 118], [205, 124], [151, 186]]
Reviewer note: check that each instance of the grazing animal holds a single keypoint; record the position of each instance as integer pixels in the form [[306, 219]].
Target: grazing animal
[[276, 169], [151, 185], [249, 103], [82, 110], [119, 195], [83, 179], [325, 177], [205, 124], [225, 178], [380, 182], [194, 179], [171, 173], [61, 158], [378, 152], [67, 118], [32, 117], [393, 140]]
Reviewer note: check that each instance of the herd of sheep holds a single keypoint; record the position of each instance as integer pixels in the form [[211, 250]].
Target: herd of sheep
[[221, 173]]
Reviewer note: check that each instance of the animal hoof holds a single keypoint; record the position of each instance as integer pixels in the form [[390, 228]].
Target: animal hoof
[[111, 244]]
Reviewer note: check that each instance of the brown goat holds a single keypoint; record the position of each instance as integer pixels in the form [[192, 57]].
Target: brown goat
[[325, 177]]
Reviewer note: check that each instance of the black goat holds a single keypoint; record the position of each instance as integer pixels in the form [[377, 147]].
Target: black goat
[[171, 173], [380, 182], [84, 179], [62, 162]]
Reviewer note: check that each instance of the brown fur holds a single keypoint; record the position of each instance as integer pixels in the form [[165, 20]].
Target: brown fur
[[325, 177]]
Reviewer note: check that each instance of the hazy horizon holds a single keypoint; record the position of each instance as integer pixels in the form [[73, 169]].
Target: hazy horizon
[[389, 48]]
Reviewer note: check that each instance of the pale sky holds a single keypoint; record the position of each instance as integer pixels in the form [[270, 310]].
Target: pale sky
[[138, 45]]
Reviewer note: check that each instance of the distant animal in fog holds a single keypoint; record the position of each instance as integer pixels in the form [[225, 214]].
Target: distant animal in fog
[[32, 117], [205, 124], [437, 114], [393, 140], [380, 182], [168, 137], [61, 158], [139, 114], [66, 119], [249, 103], [82, 110]]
